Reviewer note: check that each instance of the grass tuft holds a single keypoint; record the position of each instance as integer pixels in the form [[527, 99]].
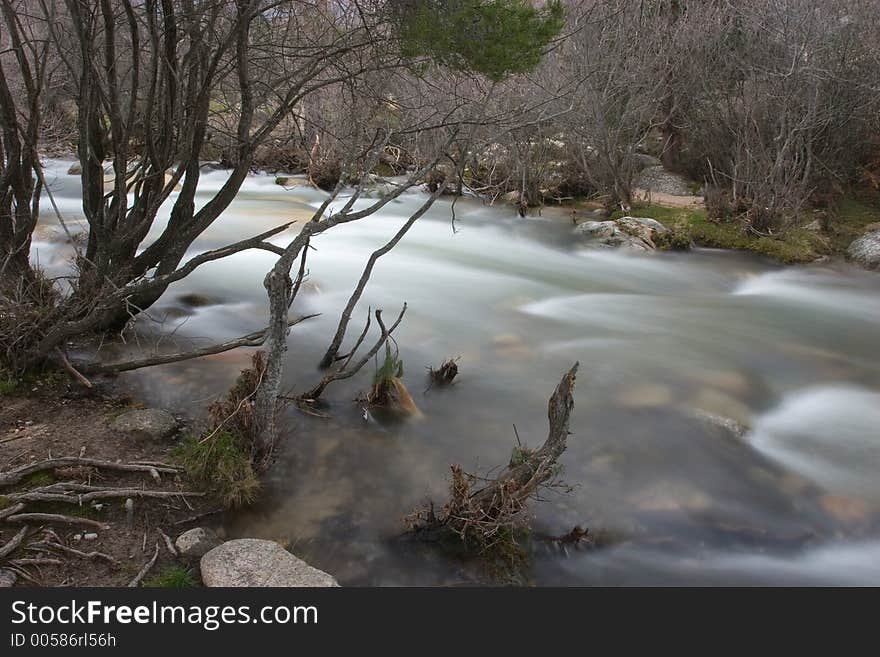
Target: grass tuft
[[173, 577], [222, 465]]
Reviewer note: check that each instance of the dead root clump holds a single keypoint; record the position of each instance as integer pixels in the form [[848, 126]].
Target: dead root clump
[[28, 311], [489, 516], [444, 375]]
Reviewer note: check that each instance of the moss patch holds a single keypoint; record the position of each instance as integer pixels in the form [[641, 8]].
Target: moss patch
[[792, 246]]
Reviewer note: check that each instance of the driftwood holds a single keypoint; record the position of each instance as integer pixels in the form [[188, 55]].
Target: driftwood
[[143, 572], [483, 513], [15, 476]]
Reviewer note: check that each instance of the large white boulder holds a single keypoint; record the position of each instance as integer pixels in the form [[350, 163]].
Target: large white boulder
[[866, 250], [254, 562]]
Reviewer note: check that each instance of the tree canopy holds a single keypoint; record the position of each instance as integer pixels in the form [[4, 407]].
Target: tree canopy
[[495, 38]]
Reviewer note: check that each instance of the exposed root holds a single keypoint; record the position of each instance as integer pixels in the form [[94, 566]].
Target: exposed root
[[146, 569], [15, 476], [47, 518], [71, 493]]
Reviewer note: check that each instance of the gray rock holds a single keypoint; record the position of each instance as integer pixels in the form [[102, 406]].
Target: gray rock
[[196, 542], [7, 578], [632, 233], [644, 160], [658, 179], [146, 423], [865, 251], [253, 562]]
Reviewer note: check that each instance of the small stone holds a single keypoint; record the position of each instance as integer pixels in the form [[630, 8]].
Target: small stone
[[7, 578], [90, 536], [77, 537], [75, 169], [254, 562], [196, 542], [147, 423]]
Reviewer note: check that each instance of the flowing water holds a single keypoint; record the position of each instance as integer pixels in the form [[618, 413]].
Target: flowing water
[[668, 344]]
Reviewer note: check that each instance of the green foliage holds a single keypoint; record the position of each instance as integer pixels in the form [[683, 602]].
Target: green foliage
[[222, 465], [496, 38], [38, 479], [792, 246], [392, 367], [173, 577], [676, 238], [8, 386]]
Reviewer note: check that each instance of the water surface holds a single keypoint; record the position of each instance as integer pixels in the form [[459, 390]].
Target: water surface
[[665, 341]]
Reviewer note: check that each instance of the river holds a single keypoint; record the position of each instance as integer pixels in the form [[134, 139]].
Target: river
[[664, 341]]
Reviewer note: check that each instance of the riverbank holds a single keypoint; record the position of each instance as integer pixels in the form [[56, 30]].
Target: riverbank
[[106, 541], [802, 243]]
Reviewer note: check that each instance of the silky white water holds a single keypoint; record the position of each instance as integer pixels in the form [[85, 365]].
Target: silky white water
[[664, 341]]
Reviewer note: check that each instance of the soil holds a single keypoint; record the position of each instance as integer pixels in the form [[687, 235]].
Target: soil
[[55, 419]]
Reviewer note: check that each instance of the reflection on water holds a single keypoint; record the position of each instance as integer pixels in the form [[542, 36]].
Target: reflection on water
[[669, 345]]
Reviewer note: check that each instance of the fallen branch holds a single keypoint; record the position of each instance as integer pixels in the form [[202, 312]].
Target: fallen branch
[[36, 562], [143, 572], [48, 546], [196, 517], [255, 339], [70, 369], [15, 476], [168, 543], [14, 542], [8, 511]]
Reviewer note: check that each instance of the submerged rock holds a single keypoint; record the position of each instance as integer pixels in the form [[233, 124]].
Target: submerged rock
[[146, 423], [254, 562], [194, 300], [196, 542], [865, 251], [633, 233]]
